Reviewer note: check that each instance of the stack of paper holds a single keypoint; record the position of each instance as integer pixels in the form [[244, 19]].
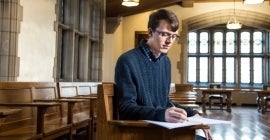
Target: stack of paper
[[190, 121]]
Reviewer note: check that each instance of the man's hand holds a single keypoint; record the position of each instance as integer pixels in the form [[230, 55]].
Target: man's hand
[[175, 114], [208, 134]]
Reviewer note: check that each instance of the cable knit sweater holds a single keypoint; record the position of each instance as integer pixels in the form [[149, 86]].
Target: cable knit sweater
[[143, 86]]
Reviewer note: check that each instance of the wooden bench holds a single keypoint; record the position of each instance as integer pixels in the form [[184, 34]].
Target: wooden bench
[[30, 122], [109, 127], [184, 95], [81, 90]]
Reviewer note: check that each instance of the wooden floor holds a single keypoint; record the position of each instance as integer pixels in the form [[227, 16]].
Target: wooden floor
[[247, 124]]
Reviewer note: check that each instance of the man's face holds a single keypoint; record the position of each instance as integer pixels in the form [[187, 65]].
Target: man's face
[[162, 38]]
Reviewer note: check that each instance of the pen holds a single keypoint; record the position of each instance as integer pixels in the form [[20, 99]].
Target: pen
[[172, 105]]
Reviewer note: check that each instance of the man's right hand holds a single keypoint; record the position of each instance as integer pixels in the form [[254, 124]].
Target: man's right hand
[[174, 115]]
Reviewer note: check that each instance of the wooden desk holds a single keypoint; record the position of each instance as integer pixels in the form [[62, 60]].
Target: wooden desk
[[92, 113], [4, 112], [222, 91], [92, 99], [41, 109], [109, 127], [261, 102], [70, 102]]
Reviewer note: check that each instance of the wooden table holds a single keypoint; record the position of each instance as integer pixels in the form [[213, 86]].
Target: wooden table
[[261, 100], [222, 91]]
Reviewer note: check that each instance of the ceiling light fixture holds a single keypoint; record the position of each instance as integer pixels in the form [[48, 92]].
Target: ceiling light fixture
[[253, 1], [232, 23], [130, 3]]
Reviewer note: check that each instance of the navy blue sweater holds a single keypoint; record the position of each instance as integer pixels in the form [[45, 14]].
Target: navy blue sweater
[[143, 86]]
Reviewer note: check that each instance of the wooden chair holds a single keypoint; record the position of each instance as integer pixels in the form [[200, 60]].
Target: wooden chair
[[109, 127], [184, 95], [215, 98], [266, 99]]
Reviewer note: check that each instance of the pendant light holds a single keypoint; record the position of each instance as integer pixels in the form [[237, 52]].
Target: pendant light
[[232, 23], [253, 1], [130, 3]]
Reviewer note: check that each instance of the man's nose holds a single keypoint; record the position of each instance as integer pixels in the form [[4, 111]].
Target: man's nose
[[168, 40]]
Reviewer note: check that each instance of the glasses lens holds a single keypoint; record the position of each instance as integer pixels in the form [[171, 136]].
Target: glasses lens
[[167, 35], [175, 37]]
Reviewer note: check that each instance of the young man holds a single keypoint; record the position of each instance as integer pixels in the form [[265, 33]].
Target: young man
[[143, 75]]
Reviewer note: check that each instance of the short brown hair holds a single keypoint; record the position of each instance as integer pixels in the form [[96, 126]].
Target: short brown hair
[[163, 14]]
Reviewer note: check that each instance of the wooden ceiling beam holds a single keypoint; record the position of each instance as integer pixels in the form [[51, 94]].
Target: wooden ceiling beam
[[187, 3], [115, 9]]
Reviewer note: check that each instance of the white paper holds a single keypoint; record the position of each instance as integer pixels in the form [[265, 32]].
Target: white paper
[[190, 122]]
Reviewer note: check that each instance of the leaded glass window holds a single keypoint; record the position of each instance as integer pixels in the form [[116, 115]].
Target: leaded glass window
[[234, 58]]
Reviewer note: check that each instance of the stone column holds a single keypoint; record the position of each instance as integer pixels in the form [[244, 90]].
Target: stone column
[[10, 17]]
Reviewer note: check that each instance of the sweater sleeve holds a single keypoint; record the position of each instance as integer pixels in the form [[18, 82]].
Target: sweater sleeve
[[190, 111]]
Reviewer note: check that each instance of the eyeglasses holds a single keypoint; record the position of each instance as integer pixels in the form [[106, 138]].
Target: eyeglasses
[[167, 35]]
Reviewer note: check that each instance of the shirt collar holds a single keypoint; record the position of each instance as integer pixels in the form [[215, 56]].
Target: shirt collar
[[148, 53]]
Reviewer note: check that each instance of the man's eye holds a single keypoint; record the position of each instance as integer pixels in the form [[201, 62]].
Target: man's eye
[[165, 34], [174, 36]]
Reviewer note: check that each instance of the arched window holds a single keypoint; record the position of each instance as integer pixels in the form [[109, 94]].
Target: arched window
[[234, 58]]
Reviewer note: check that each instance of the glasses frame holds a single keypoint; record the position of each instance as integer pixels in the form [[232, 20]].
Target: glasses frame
[[167, 35]]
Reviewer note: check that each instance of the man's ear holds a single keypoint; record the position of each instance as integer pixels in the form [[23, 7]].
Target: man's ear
[[150, 32]]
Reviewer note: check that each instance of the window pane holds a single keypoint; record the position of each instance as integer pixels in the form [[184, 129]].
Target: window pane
[[257, 70], [192, 42], [218, 39], [203, 69], [218, 69], [204, 42], [245, 53], [230, 70], [230, 39], [245, 42], [257, 42], [192, 69], [268, 50], [268, 77], [245, 70]]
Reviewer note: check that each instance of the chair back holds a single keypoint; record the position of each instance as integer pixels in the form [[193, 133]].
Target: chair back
[[266, 87], [107, 107], [183, 87], [215, 85], [184, 95]]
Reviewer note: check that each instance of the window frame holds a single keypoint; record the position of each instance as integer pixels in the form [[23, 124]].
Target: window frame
[[79, 40], [265, 55]]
